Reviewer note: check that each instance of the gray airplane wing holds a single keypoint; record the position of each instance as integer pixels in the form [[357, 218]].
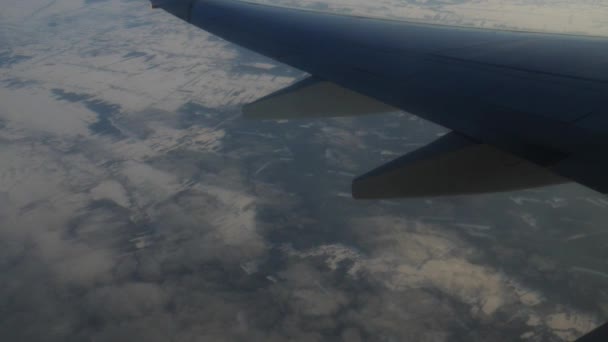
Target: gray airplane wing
[[525, 109]]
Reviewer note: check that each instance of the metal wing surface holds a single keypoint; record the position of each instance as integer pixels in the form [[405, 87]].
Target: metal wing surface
[[532, 105]]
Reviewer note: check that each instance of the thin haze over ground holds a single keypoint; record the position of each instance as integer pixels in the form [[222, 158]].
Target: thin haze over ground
[[136, 204]]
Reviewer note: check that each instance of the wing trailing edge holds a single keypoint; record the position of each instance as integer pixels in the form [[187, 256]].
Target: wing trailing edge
[[452, 165], [313, 98]]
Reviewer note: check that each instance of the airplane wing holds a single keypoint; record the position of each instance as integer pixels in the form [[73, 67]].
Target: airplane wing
[[526, 109]]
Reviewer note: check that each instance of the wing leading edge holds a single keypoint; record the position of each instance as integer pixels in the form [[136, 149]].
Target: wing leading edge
[[527, 99]]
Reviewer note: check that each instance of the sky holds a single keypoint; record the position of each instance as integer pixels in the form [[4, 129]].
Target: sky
[[137, 204]]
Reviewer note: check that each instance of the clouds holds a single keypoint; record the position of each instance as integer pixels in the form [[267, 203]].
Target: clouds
[[303, 290], [431, 270], [126, 301], [211, 224]]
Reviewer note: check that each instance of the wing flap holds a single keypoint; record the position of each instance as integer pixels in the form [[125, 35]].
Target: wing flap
[[313, 98], [452, 165]]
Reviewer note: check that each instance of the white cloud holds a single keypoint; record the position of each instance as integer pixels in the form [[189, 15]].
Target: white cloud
[[407, 256]]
